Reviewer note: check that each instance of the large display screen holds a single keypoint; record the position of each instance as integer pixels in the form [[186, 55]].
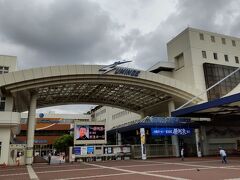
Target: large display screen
[[89, 133], [171, 131]]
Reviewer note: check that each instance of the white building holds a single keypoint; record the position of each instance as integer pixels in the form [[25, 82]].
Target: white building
[[9, 121], [200, 59], [113, 116], [194, 52], [190, 53], [196, 60]]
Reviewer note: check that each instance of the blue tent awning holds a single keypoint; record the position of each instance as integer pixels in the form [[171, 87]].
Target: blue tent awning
[[226, 107]]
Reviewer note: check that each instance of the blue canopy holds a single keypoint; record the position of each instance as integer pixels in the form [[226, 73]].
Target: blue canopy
[[153, 121], [226, 107]]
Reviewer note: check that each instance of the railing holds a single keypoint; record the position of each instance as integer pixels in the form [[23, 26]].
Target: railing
[[154, 150]]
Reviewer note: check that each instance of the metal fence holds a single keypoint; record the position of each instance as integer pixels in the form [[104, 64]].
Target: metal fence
[[154, 150]]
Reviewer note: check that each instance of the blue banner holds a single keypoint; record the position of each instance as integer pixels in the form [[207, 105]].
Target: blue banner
[[77, 150], [171, 131], [90, 150]]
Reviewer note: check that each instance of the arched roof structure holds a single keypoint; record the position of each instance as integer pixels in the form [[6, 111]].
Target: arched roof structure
[[85, 84]]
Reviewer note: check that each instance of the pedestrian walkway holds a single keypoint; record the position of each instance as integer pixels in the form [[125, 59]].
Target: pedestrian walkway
[[151, 169]]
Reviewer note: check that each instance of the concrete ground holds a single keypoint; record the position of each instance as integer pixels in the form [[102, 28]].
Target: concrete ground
[[151, 169]]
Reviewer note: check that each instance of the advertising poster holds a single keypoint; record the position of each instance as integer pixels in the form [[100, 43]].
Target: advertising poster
[[82, 132], [109, 150], [143, 145], [171, 131], [89, 133], [90, 150], [84, 151], [77, 150]]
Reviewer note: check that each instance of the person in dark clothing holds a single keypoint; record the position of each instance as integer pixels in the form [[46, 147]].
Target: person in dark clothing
[[82, 133], [49, 158]]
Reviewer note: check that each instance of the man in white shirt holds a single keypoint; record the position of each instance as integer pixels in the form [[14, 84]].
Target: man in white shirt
[[223, 155], [182, 154]]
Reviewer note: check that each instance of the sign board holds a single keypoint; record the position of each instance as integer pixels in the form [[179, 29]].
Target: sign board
[[127, 71], [171, 131], [77, 150], [84, 150], [90, 150], [143, 145], [89, 133]]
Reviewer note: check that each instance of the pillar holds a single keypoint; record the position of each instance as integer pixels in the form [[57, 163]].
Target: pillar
[[31, 128], [198, 144], [166, 146], [9, 103], [171, 107], [119, 138], [204, 140]]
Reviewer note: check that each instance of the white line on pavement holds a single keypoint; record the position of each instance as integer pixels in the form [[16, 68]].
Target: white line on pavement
[[67, 170], [31, 173], [13, 174], [137, 172], [55, 165], [139, 165], [176, 170], [97, 176]]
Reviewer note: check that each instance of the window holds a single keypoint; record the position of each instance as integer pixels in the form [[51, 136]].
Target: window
[[119, 114], [233, 43], [204, 54], [215, 56], [236, 60], [223, 41], [213, 73], [179, 61], [226, 58], [4, 69], [201, 36], [2, 103], [212, 38]]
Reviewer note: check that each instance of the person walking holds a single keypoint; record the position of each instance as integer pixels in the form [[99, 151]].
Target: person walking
[[49, 158], [182, 154], [18, 159], [223, 155]]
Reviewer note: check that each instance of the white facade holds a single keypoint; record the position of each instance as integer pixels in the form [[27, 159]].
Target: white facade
[[66, 118], [192, 46], [114, 116], [9, 121], [185, 64]]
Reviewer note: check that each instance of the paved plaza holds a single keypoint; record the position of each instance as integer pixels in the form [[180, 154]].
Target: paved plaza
[[163, 168]]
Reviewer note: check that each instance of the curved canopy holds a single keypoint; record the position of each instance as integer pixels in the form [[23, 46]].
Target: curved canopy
[[78, 84]]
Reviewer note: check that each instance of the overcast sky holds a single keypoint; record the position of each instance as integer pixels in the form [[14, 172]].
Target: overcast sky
[[54, 32]]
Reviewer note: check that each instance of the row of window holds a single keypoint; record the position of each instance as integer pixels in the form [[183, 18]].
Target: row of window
[[4, 69], [215, 56], [214, 73], [223, 40], [101, 112], [120, 114]]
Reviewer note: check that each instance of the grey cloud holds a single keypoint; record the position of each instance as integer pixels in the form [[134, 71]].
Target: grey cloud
[[202, 14], [62, 32]]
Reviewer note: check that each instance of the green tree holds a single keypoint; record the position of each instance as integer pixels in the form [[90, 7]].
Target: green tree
[[63, 143]]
